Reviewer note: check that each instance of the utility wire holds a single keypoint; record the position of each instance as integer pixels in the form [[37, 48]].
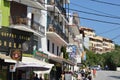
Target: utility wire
[[86, 18], [99, 21], [79, 17], [93, 9], [83, 18], [115, 37], [105, 2], [95, 14], [109, 31]]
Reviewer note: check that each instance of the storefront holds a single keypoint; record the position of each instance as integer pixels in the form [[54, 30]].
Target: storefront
[[3, 70], [43, 57], [61, 66], [12, 39], [5, 73], [28, 65]]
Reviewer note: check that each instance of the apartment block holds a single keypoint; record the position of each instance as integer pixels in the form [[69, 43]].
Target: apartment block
[[97, 44]]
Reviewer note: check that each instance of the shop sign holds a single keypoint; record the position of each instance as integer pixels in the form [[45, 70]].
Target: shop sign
[[72, 50], [16, 54], [12, 68], [41, 54], [15, 39]]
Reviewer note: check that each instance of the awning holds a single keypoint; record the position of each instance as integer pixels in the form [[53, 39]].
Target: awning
[[43, 72], [7, 58], [61, 60], [28, 62]]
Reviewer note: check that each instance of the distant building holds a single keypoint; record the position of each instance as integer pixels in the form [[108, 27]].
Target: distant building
[[97, 44], [108, 45]]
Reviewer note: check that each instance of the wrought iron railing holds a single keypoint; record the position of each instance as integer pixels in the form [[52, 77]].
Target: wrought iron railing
[[17, 20], [57, 28]]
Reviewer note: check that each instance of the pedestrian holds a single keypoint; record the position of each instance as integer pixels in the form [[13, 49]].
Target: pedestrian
[[40, 78], [106, 67], [89, 74], [94, 73], [36, 77], [79, 77]]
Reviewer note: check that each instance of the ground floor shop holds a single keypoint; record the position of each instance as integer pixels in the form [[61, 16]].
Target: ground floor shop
[[13, 70], [62, 69]]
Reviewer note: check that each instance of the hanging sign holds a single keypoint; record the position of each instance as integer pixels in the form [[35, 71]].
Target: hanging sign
[[16, 54]]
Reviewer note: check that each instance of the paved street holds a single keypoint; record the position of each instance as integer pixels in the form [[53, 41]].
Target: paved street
[[107, 75]]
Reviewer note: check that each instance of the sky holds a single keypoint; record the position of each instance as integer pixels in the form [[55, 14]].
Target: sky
[[103, 16]]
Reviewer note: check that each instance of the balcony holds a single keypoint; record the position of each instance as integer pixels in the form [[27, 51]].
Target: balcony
[[56, 7], [18, 20], [22, 24], [61, 1], [34, 3], [55, 30]]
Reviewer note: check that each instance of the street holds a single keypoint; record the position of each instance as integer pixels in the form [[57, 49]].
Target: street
[[107, 75]]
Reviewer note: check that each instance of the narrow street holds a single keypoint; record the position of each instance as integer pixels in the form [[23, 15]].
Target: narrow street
[[107, 75]]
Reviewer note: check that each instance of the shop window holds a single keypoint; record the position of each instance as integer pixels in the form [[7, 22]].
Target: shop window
[[35, 42], [52, 47], [48, 45], [57, 51]]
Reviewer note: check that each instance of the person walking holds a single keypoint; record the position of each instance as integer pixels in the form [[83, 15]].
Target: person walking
[[40, 78], [36, 77], [94, 73]]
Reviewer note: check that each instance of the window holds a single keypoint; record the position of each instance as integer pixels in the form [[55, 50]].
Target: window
[[57, 51], [48, 45], [52, 47], [35, 42]]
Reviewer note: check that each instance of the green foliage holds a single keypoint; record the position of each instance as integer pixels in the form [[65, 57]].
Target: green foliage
[[94, 59], [65, 54], [112, 59]]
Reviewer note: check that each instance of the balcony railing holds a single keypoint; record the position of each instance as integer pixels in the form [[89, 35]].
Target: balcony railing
[[59, 6], [17, 20], [42, 2], [54, 26]]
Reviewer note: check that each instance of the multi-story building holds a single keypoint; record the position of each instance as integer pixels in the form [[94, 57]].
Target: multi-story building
[[57, 37], [75, 39], [23, 25], [98, 44], [87, 31], [108, 45]]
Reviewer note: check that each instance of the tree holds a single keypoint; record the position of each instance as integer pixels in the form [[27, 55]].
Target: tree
[[65, 54]]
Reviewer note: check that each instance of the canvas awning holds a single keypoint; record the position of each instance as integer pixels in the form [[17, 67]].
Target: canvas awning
[[7, 58], [61, 60], [28, 62]]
